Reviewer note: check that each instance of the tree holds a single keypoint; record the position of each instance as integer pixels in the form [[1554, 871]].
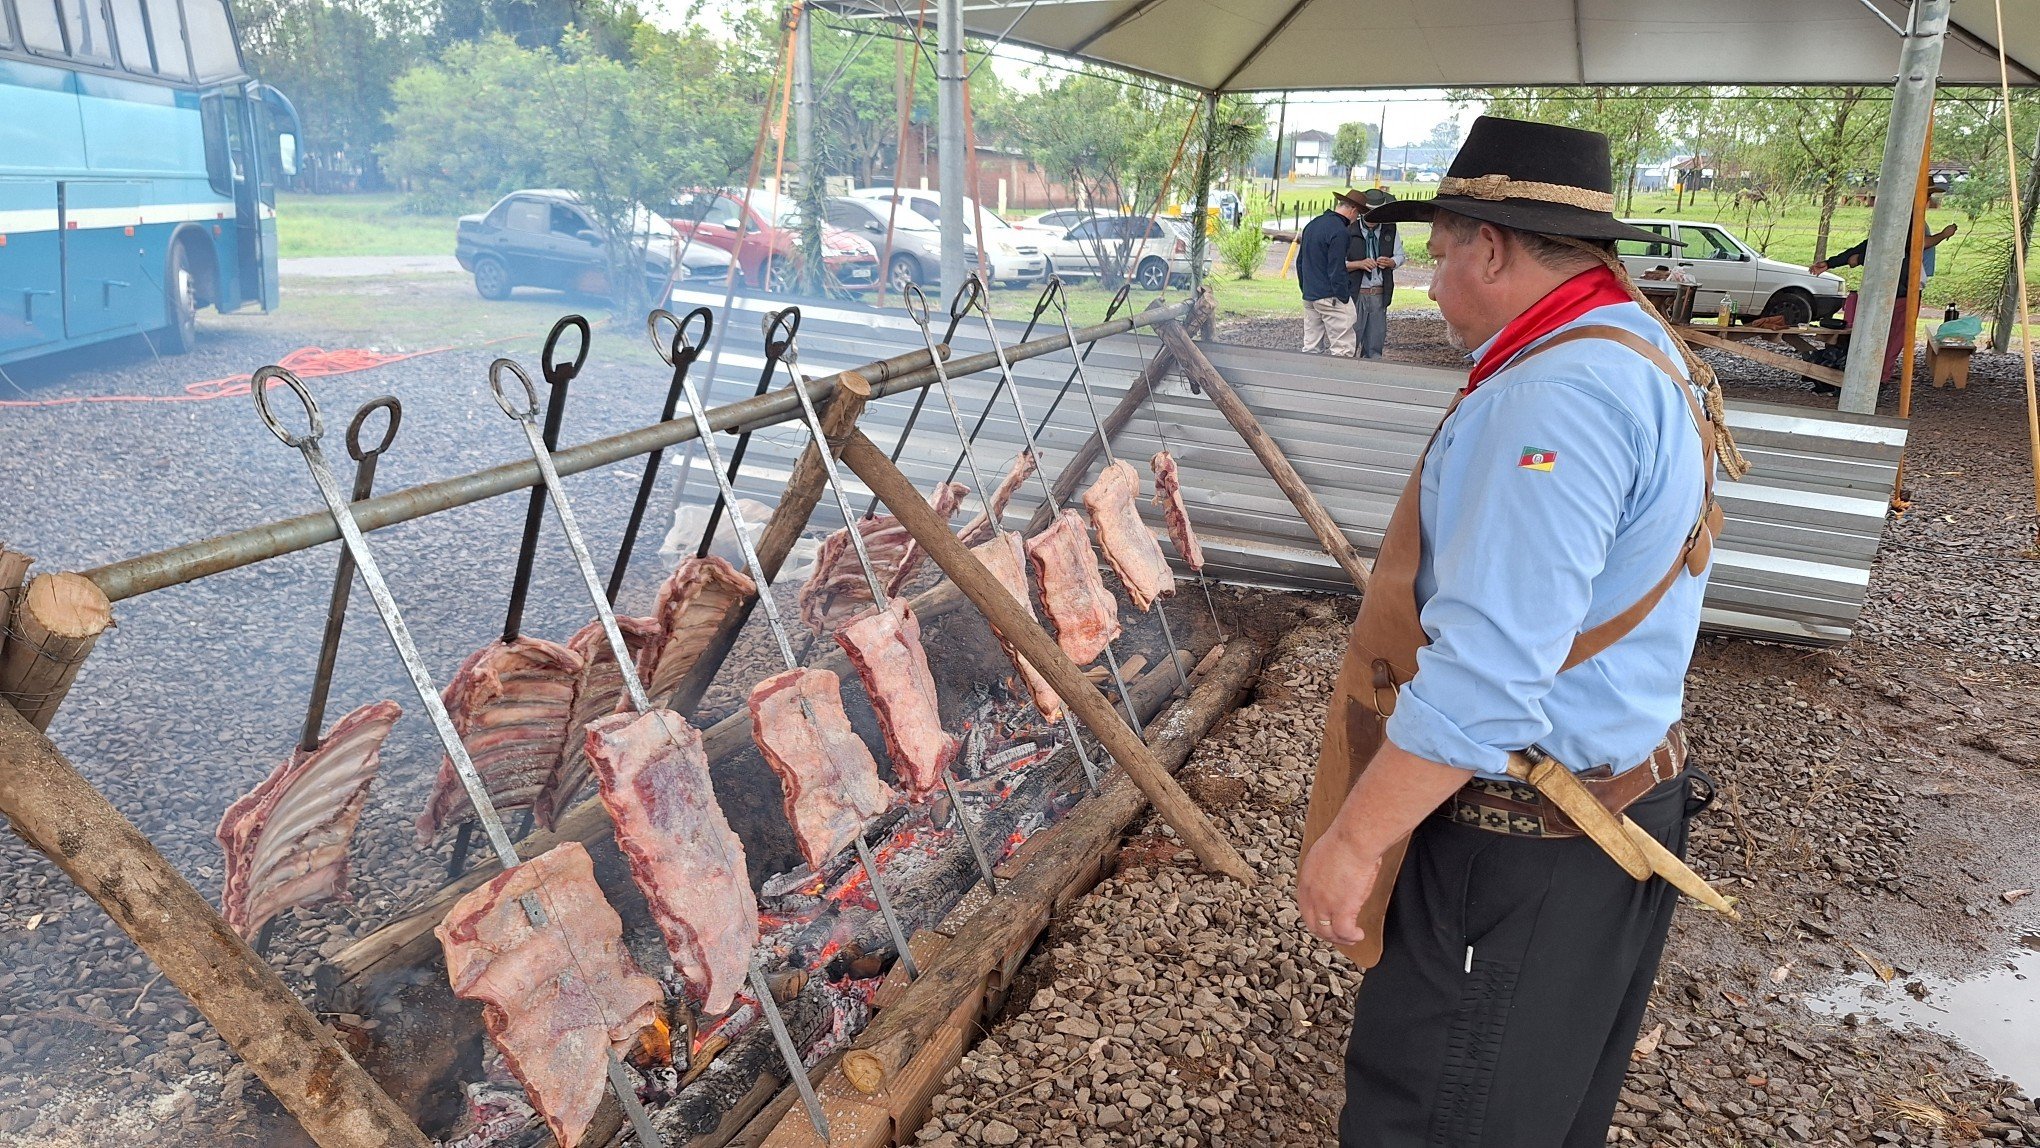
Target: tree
[[1639, 121], [1839, 134], [336, 61], [1444, 134], [1352, 145]]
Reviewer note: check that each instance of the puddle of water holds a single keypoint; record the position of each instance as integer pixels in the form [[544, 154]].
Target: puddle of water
[[1994, 1013]]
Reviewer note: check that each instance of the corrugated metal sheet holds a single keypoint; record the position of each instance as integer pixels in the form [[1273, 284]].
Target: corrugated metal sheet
[[1793, 563]]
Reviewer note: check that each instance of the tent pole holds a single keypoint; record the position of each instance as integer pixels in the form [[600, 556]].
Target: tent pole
[[1912, 99], [950, 146], [1915, 263], [2008, 302], [1199, 240]]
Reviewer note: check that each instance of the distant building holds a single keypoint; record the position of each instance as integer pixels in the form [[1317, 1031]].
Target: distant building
[[1313, 153]]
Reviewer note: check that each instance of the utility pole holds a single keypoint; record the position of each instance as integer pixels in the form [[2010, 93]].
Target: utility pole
[[1275, 168], [1380, 140], [949, 149], [1201, 211], [803, 95], [1912, 102]]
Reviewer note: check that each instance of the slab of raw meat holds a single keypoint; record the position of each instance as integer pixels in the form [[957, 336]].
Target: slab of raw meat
[[556, 1000], [693, 601], [829, 776], [1114, 503], [286, 840], [510, 703], [599, 694], [1169, 496], [1006, 557], [1085, 615], [982, 527], [838, 591], [885, 646], [654, 779]]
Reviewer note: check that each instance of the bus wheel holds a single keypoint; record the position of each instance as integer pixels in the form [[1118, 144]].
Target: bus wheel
[[180, 305], [492, 279]]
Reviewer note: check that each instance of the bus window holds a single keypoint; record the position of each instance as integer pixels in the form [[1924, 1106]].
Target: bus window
[[225, 157], [212, 39], [133, 31], [86, 22], [40, 30], [166, 31]]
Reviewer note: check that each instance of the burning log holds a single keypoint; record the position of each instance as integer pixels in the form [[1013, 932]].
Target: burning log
[[53, 629]]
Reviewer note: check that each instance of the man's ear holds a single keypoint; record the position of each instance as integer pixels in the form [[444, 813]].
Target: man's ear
[[1492, 252]]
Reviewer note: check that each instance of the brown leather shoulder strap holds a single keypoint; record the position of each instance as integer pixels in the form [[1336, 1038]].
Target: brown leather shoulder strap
[[1699, 544]]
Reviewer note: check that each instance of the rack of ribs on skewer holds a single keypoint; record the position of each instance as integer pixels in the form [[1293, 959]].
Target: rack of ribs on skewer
[[885, 646], [1006, 557], [654, 780], [982, 527], [286, 840], [599, 694], [556, 1000], [830, 779], [1085, 615], [838, 591], [1114, 503], [692, 603], [510, 703], [1169, 496]]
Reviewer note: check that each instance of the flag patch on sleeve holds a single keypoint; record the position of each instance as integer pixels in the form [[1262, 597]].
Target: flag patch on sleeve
[[1537, 458]]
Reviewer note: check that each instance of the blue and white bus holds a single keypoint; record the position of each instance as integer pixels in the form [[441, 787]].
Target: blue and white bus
[[137, 172]]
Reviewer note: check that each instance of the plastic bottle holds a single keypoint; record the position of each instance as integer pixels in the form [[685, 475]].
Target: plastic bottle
[[1951, 314], [1723, 315]]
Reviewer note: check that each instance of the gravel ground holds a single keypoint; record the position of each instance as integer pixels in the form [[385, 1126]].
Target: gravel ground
[[1877, 807]]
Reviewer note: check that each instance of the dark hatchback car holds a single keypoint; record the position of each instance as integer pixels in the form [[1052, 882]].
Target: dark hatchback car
[[547, 238]]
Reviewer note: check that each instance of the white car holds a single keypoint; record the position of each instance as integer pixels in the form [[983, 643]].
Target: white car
[[1011, 255], [1056, 224], [1156, 252], [1726, 266]]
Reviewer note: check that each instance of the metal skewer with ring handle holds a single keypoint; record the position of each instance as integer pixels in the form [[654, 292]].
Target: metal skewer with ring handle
[[973, 294], [920, 400], [726, 495], [679, 353], [879, 597], [307, 444], [706, 435], [526, 417], [1059, 298], [917, 309], [1162, 436]]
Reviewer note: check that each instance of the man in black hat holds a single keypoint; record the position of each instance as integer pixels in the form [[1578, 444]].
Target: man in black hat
[[1373, 252], [1526, 633], [1321, 271]]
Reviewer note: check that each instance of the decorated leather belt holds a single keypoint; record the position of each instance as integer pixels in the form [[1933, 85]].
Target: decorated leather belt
[[1367, 290], [1517, 809]]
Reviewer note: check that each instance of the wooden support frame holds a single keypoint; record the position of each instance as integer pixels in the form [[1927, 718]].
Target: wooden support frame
[[56, 810], [1698, 338], [1242, 418]]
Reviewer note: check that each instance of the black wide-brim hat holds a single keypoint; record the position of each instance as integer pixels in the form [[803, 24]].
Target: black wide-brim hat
[[1533, 177]]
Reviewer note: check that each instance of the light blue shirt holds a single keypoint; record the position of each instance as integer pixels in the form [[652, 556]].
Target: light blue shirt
[[1373, 237], [1519, 560]]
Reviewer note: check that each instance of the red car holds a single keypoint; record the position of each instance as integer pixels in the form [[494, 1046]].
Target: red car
[[767, 243]]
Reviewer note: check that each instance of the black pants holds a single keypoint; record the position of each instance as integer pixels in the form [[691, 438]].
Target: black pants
[[1511, 987]]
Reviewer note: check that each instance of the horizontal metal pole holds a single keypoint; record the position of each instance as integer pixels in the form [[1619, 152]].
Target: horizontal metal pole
[[133, 577]]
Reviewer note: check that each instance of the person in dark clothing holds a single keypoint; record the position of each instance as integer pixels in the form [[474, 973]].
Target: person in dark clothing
[[1894, 339], [1321, 271], [1373, 252]]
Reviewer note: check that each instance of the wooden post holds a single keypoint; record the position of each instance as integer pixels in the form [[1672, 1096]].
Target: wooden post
[[1012, 622], [51, 632], [13, 572], [58, 812], [797, 503], [1087, 456], [1236, 412], [1005, 924]]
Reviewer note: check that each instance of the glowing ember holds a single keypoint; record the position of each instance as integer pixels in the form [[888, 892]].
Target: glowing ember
[[654, 1045]]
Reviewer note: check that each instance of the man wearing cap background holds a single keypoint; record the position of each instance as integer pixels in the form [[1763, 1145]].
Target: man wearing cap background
[[1373, 252], [1536, 599], [1321, 272]]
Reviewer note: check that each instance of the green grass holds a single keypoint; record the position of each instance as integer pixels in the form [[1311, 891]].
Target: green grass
[[374, 224]]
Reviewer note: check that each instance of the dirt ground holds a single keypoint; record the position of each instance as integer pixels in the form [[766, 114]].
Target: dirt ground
[[1878, 807]]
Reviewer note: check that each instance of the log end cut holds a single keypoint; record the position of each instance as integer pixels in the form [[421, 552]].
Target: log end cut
[[68, 606]]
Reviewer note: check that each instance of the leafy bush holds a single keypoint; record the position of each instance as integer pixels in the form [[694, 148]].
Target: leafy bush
[[1242, 249]]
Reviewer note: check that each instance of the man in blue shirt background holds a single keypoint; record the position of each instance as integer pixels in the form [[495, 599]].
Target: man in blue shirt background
[[1321, 271]]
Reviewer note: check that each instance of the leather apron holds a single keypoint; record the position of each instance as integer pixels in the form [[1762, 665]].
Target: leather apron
[[1381, 653]]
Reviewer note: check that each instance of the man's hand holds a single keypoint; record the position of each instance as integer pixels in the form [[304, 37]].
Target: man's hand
[[1331, 887], [1817, 267], [1367, 264]]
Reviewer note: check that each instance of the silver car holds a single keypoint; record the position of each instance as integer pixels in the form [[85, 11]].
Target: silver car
[[1728, 267], [1154, 252], [1013, 256]]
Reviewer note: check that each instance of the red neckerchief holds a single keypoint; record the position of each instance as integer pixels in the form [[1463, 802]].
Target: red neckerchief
[[1566, 302]]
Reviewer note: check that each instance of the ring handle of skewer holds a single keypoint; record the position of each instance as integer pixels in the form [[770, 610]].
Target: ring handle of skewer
[[1119, 299], [969, 297], [260, 385], [671, 350], [551, 366], [496, 371], [916, 303], [360, 453], [1050, 290], [789, 319]]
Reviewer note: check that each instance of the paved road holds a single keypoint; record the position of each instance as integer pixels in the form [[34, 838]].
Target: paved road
[[364, 266]]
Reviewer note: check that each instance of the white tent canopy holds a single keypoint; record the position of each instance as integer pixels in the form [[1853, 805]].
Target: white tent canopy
[[1311, 45]]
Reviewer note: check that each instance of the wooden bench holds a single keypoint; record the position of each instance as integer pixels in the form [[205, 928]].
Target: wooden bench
[[1948, 362]]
